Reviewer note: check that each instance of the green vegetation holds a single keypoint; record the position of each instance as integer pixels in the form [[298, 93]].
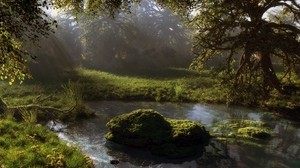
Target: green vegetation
[[180, 85], [175, 85], [32, 103], [249, 78], [254, 132], [146, 128], [250, 132], [28, 145]]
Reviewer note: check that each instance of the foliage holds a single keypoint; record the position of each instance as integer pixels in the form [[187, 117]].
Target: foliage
[[20, 21], [27, 145], [146, 128], [111, 7], [226, 27], [240, 31], [147, 37]]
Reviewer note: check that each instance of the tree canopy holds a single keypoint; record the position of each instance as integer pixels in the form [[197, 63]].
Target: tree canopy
[[149, 37], [249, 35], [235, 27], [20, 21]]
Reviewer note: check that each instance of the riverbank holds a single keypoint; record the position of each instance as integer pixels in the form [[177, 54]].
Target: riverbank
[[31, 145], [169, 85]]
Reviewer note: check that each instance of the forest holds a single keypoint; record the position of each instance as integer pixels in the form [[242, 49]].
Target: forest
[[149, 83]]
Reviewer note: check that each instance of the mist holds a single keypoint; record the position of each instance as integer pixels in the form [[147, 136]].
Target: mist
[[148, 38]]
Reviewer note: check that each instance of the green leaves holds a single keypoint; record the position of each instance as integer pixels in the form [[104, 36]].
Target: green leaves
[[20, 21], [12, 64]]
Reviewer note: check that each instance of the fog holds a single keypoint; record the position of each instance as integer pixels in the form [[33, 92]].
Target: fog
[[149, 37]]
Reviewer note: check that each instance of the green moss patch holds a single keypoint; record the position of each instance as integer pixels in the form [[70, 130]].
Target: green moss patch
[[254, 132], [147, 128], [248, 132], [27, 145]]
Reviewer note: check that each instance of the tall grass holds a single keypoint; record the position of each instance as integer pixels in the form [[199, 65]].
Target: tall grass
[[29, 116], [73, 98]]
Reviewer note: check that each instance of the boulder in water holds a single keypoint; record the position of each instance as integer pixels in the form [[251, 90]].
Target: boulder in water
[[254, 132], [146, 128]]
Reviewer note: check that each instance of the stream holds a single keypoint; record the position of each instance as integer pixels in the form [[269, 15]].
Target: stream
[[282, 150]]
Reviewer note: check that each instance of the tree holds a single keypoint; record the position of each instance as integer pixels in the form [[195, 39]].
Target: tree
[[149, 37], [231, 26]]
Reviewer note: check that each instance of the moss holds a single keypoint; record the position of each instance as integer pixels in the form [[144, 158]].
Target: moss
[[254, 132], [186, 133], [136, 128], [249, 132], [148, 129]]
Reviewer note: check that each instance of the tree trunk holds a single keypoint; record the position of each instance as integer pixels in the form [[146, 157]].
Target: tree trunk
[[270, 78]]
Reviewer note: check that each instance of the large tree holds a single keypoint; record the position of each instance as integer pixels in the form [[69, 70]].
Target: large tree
[[235, 26]]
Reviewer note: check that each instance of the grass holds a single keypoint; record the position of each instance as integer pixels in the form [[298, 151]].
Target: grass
[[28, 145], [172, 85], [188, 86]]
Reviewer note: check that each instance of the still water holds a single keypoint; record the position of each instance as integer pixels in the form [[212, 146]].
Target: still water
[[282, 151]]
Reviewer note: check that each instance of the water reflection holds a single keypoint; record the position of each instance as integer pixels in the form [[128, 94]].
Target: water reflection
[[283, 150], [205, 114]]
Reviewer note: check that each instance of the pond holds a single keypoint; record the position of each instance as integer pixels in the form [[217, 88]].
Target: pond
[[282, 150]]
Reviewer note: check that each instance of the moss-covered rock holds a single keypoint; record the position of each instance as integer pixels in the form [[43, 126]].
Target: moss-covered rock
[[147, 128], [254, 132], [187, 133], [250, 132]]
